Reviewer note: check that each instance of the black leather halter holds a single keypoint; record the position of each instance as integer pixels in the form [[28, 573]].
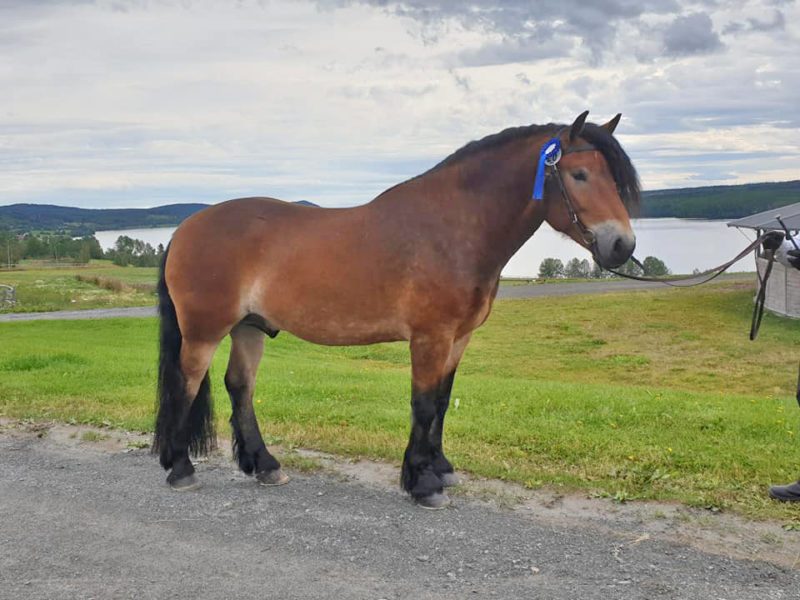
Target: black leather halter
[[586, 233]]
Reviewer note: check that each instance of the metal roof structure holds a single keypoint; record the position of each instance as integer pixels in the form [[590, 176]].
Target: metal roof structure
[[766, 220]]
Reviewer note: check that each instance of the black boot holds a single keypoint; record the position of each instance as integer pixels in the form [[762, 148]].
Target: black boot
[[786, 493]]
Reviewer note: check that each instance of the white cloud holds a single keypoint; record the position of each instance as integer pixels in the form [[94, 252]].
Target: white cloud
[[109, 103]]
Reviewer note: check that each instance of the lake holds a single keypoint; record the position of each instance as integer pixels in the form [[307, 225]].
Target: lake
[[683, 244]]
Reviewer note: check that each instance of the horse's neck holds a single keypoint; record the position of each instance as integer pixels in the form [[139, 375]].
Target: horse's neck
[[479, 209], [495, 197]]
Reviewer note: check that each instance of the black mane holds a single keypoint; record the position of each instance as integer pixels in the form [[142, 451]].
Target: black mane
[[622, 169], [495, 140]]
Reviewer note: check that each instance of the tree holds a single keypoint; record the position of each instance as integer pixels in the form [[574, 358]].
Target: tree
[[84, 254], [654, 267], [10, 249], [578, 269], [95, 249], [551, 268], [125, 244], [35, 248]]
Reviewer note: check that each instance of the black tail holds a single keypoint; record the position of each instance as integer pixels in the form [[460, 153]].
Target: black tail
[[198, 425]]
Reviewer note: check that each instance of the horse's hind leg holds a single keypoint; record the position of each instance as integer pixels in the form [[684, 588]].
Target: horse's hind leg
[[429, 357], [192, 427], [248, 446]]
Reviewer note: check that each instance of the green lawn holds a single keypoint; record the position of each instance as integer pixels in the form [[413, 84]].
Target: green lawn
[[654, 394], [46, 288]]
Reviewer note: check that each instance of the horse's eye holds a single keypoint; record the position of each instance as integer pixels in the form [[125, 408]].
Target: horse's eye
[[579, 175]]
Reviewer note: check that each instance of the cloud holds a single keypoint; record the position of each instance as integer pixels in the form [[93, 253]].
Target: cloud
[[524, 30], [461, 81], [691, 34], [777, 22]]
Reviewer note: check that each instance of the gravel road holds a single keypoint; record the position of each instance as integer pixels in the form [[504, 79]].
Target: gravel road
[[84, 520], [92, 313]]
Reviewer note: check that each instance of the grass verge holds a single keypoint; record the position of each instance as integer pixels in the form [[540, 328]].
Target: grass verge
[[652, 394], [100, 284]]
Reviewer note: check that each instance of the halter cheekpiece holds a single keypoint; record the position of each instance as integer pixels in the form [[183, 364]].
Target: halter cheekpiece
[[549, 156]]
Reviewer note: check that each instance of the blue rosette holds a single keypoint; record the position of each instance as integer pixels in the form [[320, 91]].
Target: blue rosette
[[549, 155]]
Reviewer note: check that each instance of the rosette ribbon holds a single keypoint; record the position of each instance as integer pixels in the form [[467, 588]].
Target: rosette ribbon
[[548, 156]]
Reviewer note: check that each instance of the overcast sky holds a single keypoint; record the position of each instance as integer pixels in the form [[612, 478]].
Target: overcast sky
[[141, 103]]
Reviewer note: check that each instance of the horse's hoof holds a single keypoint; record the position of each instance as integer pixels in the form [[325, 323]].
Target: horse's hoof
[[449, 479], [184, 484], [271, 478], [435, 501]]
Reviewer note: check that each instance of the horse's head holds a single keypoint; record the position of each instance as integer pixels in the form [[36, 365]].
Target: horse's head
[[591, 191]]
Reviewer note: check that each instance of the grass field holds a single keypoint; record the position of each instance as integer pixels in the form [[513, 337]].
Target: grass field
[[45, 288], [653, 394]]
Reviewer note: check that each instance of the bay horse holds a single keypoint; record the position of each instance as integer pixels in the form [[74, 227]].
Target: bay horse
[[420, 263]]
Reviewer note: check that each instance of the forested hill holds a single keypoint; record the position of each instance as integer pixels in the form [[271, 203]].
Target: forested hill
[[719, 201], [85, 221]]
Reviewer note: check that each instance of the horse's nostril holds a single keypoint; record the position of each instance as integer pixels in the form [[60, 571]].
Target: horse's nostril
[[622, 249]]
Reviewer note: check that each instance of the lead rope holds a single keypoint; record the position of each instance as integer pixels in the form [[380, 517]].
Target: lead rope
[[712, 273], [550, 155]]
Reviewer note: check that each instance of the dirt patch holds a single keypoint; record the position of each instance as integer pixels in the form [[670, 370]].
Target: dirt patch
[[632, 522], [91, 438]]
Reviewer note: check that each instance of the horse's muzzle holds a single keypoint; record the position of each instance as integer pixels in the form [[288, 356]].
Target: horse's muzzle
[[612, 248]]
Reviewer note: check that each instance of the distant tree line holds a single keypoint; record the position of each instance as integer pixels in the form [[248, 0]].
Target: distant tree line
[[65, 248], [719, 202], [553, 268]]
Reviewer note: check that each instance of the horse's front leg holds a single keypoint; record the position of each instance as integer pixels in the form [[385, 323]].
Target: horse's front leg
[[441, 465], [429, 358]]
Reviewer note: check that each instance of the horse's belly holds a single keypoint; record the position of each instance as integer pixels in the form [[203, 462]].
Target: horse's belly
[[335, 332]]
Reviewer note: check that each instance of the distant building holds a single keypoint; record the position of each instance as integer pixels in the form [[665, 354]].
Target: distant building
[[783, 287]]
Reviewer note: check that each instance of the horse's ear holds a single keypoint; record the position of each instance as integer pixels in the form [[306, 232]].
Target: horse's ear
[[577, 126], [612, 124]]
